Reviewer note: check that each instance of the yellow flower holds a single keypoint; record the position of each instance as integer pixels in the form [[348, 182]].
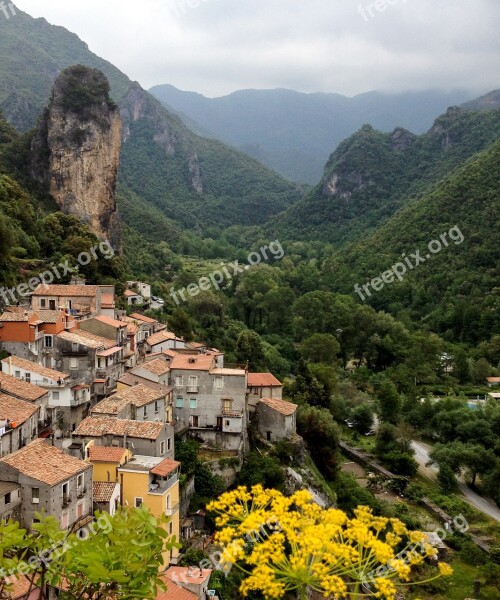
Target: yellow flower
[[385, 588], [445, 569]]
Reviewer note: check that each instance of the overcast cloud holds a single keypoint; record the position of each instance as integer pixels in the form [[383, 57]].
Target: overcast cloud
[[219, 46]]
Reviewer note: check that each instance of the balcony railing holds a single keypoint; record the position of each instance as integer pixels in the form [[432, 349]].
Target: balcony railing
[[158, 488], [192, 389], [171, 510], [66, 500], [80, 492]]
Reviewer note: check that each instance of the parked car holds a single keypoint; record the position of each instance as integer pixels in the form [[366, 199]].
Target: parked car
[[160, 301]]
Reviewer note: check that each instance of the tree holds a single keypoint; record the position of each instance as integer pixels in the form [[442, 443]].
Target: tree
[[322, 435], [249, 349], [181, 323], [320, 348], [447, 479], [363, 418], [389, 401], [461, 368], [262, 469]]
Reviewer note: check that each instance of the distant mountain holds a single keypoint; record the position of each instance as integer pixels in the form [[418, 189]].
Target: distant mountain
[[371, 175], [292, 132], [169, 178], [489, 101]]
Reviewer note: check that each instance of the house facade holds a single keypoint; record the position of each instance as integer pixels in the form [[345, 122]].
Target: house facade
[[18, 424], [263, 385], [276, 418], [80, 301]]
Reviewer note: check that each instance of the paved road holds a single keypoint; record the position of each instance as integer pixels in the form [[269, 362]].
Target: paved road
[[486, 506]]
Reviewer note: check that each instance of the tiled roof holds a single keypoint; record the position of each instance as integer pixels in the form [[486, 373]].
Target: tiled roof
[[263, 380], [23, 316], [165, 467], [161, 336], [188, 575], [98, 426], [281, 406], [130, 379], [103, 490], [19, 586], [27, 365], [44, 462], [20, 389], [50, 316], [87, 339], [107, 300], [493, 379], [175, 592], [113, 405], [110, 321], [156, 366], [143, 318], [110, 454], [197, 362], [130, 294], [18, 411], [83, 291]]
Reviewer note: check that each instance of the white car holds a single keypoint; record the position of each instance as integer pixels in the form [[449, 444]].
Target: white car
[[160, 301]]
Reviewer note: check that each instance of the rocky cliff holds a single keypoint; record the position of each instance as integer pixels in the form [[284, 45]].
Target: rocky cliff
[[77, 149]]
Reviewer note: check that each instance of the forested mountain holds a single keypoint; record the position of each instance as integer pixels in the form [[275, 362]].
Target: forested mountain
[[456, 291], [169, 178], [372, 174], [292, 132]]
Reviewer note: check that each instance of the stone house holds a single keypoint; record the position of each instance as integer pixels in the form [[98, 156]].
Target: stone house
[[11, 386], [10, 501], [276, 418], [80, 301], [138, 403], [18, 424], [148, 438], [106, 496], [164, 340], [106, 327], [156, 370], [263, 385], [51, 481]]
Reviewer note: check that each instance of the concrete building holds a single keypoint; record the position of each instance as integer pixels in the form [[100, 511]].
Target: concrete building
[[139, 403], [11, 386], [154, 482], [10, 501], [156, 370], [69, 399], [277, 419], [106, 496], [150, 325], [108, 305], [210, 402], [18, 424], [106, 327], [142, 437], [51, 481], [164, 340], [95, 359]]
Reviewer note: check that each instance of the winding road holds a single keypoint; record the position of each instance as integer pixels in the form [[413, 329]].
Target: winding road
[[488, 507]]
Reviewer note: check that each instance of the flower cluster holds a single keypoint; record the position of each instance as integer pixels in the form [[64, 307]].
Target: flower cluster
[[290, 544]]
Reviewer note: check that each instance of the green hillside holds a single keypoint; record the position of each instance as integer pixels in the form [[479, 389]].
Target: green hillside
[[372, 174]]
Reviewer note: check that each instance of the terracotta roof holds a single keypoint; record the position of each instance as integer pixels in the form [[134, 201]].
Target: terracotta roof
[[44, 462], [131, 294], [107, 300], [110, 321], [113, 405], [156, 366], [263, 380], [18, 411], [17, 316], [132, 328], [20, 389], [175, 592], [27, 365], [165, 467], [110, 351], [143, 318], [107, 454], [197, 362], [493, 379], [19, 586], [50, 316], [87, 339], [98, 426], [83, 291], [281, 406], [103, 491], [140, 394], [130, 379], [161, 336]]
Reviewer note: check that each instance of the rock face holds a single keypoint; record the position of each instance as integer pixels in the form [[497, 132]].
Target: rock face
[[77, 150]]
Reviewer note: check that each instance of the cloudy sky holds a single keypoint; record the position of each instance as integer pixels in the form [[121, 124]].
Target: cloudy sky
[[345, 46]]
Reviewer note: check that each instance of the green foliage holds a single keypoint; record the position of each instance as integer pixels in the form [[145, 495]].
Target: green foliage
[[363, 418], [263, 469], [322, 435]]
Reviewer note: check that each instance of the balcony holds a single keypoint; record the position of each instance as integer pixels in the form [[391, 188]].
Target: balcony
[[171, 510], [66, 500], [161, 486], [80, 492], [229, 412], [39, 335], [192, 389]]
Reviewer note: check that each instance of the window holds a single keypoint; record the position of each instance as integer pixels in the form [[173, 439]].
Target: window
[[27, 377], [219, 383], [145, 412], [170, 528], [157, 407], [43, 303], [74, 346], [47, 341], [55, 395], [193, 403], [227, 423], [179, 402], [194, 421], [138, 502], [64, 520], [79, 510], [35, 495], [80, 480], [73, 364], [7, 498], [162, 448], [178, 381], [227, 405], [17, 374], [169, 444], [192, 383]]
